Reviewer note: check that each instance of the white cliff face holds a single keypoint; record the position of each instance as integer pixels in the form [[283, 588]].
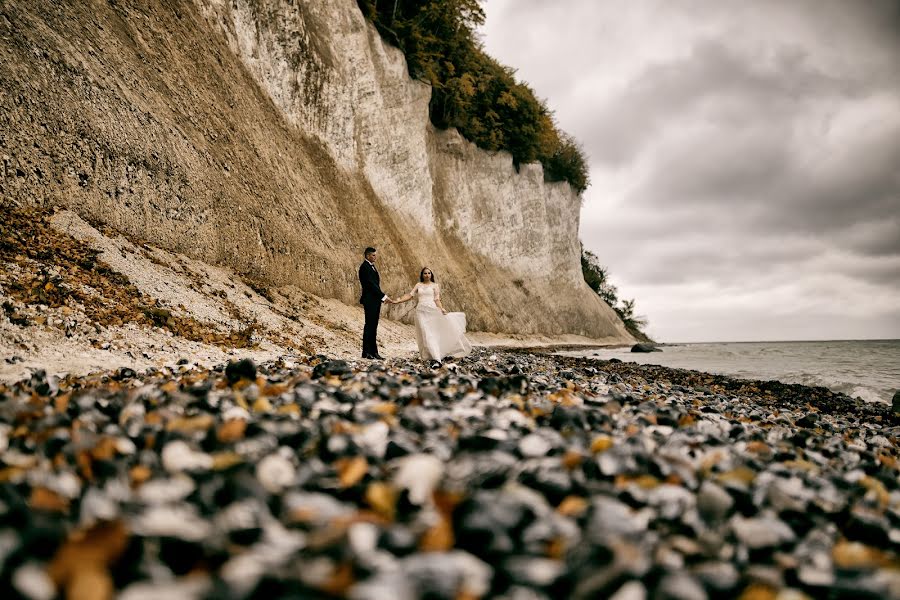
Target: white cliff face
[[330, 73], [279, 138]]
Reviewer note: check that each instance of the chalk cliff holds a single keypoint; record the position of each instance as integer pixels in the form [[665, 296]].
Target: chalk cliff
[[279, 138]]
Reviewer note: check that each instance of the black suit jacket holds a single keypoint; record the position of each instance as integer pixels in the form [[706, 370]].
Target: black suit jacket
[[371, 284]]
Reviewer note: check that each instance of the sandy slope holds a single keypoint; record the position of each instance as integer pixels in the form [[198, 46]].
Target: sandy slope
[[288, 320]]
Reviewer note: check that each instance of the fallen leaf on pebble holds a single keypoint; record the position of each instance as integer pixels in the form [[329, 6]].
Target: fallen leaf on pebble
[[105, 449], [758, 591], [572, 459], [340, 580], [572, 506], [61, 403], [382, 497], [758, 447], [740, 475], [876, 488], [191, 424], [646, 482], [231, 430], [601, 444], [44, 499], [802, 465], [556, 548], [439, 537], [262, 405], [351, 470], [81, 565], [384, 408], [139, 474], [225, 460], [855, 555], [11, 473], [90, 583], [686, 421]]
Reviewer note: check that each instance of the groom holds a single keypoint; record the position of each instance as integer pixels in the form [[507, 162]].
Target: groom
[[371, 299]]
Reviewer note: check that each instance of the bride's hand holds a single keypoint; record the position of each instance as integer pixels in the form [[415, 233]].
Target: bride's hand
[[444, 310]]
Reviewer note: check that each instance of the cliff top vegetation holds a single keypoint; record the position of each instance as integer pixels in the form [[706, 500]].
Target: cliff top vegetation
[[597, 278], [473, 92]]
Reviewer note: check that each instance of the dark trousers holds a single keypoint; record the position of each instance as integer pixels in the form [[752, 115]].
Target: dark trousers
[[370, 329]]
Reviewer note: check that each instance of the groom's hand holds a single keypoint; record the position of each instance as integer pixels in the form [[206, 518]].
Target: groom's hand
[[387, 300]]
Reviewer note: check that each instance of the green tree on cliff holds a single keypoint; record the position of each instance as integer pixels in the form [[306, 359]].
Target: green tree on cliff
[[471, 91], [597, 278]]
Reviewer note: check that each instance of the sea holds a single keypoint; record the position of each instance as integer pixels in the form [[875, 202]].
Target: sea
[[866, 369]]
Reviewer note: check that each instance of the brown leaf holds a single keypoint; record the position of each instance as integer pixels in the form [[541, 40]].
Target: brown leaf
[[351, 470], [44, 499], [556, 548], [740, 475], [139, 474], [601, 444], [382, 497], [384, 408], [572, 506], [686, 421], [854, 555], [572, 459], [647, 482], [758, 447], [225, 460], [340, 580], [61, 403], [439, 538], [105, 449], [91, 549], [191, 424], [90, 583], [758, 591], [231, 431]]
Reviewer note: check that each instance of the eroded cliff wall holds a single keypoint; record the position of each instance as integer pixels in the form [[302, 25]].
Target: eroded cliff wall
[[279, 138]]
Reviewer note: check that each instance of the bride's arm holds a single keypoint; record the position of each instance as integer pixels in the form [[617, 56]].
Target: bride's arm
[[406, 297], [437, 299]]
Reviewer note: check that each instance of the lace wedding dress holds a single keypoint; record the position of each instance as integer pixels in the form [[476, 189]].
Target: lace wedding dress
[[438, 335]]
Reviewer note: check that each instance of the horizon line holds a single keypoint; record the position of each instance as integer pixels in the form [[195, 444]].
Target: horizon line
[[787, 341]]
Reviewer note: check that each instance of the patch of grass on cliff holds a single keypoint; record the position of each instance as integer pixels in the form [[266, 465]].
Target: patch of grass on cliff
[[473, 92], [56, 270]]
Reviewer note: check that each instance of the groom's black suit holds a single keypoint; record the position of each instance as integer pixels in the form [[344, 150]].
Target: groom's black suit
[[371, 300]]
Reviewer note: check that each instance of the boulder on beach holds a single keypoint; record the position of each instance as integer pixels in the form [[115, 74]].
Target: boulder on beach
[[643, 347], [895, 401]]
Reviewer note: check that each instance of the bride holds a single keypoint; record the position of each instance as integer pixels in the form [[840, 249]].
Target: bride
[[438, 333]]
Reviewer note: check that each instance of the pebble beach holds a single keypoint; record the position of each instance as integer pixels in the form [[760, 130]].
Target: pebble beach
[[506, 474]]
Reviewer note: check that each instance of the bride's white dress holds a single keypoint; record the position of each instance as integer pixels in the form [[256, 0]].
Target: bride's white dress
[[438, 335]]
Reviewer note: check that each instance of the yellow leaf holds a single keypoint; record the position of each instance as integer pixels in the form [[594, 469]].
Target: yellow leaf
[[351, 470], [601, 444]]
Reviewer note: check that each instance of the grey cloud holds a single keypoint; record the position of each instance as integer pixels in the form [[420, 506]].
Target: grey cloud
[[744, 156], [716, 84]]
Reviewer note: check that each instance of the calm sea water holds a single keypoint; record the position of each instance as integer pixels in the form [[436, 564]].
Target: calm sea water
[[868, 369]]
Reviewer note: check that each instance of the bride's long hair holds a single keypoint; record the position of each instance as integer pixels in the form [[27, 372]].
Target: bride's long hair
[[422, 275]]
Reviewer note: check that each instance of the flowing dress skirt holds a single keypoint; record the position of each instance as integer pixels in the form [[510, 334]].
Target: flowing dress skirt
[[439, 335]]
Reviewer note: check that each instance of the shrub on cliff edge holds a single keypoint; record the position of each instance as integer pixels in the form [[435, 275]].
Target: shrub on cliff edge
[[597, 278], [471, 91]]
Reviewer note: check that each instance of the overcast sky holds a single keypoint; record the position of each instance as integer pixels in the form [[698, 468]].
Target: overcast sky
[[745, 156]]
